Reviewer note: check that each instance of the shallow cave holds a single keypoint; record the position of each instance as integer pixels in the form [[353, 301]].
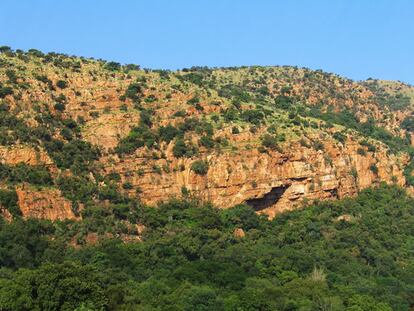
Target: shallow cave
[[269, 199], [334, 193]]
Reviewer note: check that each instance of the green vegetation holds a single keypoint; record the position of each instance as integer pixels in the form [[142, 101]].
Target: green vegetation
[[189, 259], [394, 102], [134, 92], [8, 200], [353, 254], [36, 175], [139, 136], [5, 90], [183, 149], [200, 167], [368, 128], [112, 66], [61, 84], [269, 141], [76, 155], [207, 141]]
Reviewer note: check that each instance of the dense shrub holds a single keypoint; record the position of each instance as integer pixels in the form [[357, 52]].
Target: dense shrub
[[200, 167], [76, 155], [8, 200], [134, 92], [36, 175], [207, 141], [167, 133], [112, 66], [5, 90], [77, 188], [183, 149], [138, 137], [309, 259], [253, 116], [269, 141], [61, 84], [192, 77], [60, 106]]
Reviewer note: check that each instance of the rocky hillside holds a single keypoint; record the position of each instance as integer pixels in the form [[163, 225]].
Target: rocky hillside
[[79, 135]]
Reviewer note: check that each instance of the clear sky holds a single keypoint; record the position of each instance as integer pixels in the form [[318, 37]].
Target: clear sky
[[354, 38]]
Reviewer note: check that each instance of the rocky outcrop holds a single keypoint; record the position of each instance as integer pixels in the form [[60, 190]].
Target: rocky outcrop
[[239, 233], [44, 203], [23, 154], [270, 182], [300, 108], [106, 130], [6, 214]]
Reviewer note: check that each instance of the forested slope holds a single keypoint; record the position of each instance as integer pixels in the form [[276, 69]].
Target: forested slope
[[352, 254]]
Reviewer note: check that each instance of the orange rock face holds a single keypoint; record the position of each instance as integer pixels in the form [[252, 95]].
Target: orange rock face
[[106, 130], [270, 182], [23, 154], [44, 203]]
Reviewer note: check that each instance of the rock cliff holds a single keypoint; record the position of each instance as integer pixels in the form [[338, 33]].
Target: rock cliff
[[270, 137]]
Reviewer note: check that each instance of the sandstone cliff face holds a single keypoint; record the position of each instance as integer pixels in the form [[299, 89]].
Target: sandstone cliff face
[[23, 154], [270, 182], [106, 130], [44, 204], [99, 108]]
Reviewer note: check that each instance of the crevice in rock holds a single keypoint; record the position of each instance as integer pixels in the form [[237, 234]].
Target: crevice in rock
[[333, 192], [299, 178], [269, 199]]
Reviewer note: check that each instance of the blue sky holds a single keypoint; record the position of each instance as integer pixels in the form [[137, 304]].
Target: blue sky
[[354, 38]]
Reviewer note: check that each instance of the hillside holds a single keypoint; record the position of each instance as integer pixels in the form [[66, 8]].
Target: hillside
[[251, 188], [351, 254], [79, 132]]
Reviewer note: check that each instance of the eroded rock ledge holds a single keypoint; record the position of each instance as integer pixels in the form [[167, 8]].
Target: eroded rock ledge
[[270, 182]]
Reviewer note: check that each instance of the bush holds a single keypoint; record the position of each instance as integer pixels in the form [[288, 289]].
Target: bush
[[138, 137], [8, 200], [60, 107], [408, 124], [145, 118], [318, 145], [200, 167], [253, 116], [12, 76], [283, 102], [374, 168], [134, 92], [5, 90], [183, 149], [112, 66], [127, 185], [61, 84], [5, 49], [361, 152], [339, 137], [193, 101], [36, 175], [207, 141], [235, 130], [167, 133], [269, 141]]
